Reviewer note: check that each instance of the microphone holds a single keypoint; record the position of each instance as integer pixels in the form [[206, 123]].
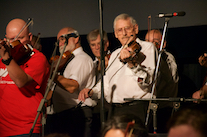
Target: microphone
[[161, 15], [67, 36]]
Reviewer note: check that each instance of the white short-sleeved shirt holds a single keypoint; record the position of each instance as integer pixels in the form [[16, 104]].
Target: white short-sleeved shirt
[[80, 69]]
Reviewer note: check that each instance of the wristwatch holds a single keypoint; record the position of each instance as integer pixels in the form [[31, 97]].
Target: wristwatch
[[7, 62]]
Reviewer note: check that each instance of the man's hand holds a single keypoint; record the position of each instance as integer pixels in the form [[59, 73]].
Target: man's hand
[[132, 58], [197, 95], [4, 51], [84, 94], [125, 53], [203, 60]]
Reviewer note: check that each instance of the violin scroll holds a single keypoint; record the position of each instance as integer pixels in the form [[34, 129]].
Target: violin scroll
[[3, 43], [129, 129], [107, 56]]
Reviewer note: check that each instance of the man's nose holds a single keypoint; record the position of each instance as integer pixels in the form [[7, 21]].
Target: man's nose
[[124, 32], [61, 43], [97, 46]]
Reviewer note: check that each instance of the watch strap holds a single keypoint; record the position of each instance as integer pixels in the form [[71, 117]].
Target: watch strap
[[7, 62]]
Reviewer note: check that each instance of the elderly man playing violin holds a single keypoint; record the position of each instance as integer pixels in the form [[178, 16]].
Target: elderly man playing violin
[[128, 75], [78, 74], [22, 84], [94, 41]]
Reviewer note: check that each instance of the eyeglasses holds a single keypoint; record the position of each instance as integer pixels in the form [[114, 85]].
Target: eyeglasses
[[156, 42], [61, 40], [93, 45], [128, 29]]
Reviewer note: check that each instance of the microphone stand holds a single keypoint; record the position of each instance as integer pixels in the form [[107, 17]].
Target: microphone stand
[[102, 108], [41, 107], [153, 106]]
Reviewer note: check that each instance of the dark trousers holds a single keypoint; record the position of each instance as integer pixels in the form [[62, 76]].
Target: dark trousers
[[137, 108], [74, 122], [97, 119]]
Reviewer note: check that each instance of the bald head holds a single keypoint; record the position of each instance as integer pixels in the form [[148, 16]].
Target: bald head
[[154, 36], [65, 30], [72, 42], [13, 28]]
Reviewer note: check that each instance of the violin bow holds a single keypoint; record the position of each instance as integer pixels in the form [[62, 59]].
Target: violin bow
[[38, 37], [149, 23], [30, 21], [130, 124]]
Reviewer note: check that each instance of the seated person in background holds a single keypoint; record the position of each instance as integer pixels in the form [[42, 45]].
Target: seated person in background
[[189, 122], [124, 126], [167, 81]]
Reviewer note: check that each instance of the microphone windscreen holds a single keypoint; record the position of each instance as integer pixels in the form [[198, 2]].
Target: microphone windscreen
[[182, 13]]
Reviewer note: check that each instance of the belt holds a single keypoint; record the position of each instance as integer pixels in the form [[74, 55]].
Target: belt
[[79, 107], [125, 104]]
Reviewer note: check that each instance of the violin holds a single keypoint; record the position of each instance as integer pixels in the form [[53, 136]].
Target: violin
[[19, 52], [107, 56], [135, 50], [135, 46], [65, 59]]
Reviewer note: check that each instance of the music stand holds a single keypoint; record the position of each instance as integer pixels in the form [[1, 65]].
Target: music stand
[[153, 106]]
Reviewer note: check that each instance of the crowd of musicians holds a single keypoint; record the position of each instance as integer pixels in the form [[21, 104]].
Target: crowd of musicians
[[75, 94]]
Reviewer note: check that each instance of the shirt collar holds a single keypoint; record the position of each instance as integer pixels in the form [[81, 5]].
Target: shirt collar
[[78, 50]]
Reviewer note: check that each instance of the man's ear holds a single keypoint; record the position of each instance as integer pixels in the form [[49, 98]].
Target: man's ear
[[106, 45], [5, 38], [30, 36], [77, 40], [164, 45], [115, 34], [136, 28]]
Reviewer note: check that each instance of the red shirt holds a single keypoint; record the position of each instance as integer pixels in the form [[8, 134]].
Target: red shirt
[[18, 106]]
